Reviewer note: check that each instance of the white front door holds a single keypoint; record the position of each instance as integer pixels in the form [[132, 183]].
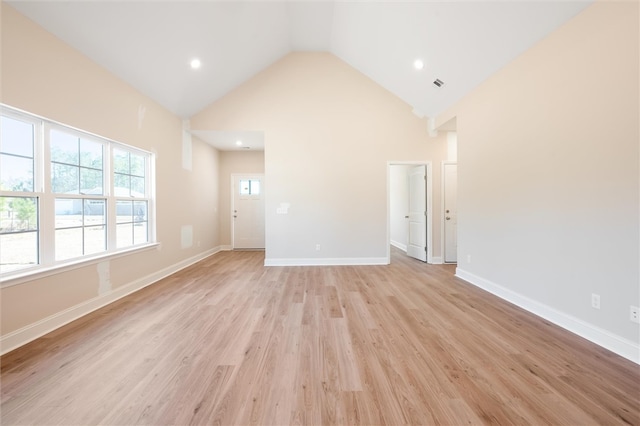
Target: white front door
[[417, 241], [450, 178], [247, 212]]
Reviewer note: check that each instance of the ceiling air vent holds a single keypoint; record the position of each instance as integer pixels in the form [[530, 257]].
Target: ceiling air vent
[[438, 82]]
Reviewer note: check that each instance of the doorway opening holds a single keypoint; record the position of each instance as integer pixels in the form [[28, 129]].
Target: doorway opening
[[409, 209], [247, 212]]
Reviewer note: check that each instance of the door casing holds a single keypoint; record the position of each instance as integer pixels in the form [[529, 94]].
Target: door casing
[[429, 189]]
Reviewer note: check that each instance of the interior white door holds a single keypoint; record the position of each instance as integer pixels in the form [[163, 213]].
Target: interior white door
[[450, 213], [248, 212], [417, 217]]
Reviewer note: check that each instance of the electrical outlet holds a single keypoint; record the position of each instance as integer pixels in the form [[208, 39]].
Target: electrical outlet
[[634, 314], [468, 258], [595, 301], [317, 247]]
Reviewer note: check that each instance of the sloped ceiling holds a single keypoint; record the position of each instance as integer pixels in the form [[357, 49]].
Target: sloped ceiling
[[149, 44]]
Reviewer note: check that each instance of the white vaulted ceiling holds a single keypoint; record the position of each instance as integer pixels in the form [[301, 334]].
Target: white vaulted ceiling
[[149, 44]]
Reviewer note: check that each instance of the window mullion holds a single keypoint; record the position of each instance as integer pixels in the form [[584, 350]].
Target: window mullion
[[47, 202], [111, 200]]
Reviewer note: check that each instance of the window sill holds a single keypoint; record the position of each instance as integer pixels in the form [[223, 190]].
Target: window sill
[[19, 277]]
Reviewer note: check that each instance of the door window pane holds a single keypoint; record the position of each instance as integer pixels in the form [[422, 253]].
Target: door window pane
[[249, 187], [255, 187]]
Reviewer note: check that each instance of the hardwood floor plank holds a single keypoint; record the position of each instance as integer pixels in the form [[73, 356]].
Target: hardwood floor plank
[[230, 342]]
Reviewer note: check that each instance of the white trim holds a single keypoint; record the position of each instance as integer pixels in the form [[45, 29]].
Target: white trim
[[429, 185], [25, 275], [26, 334], [340, 261], [617, 344], [442, 214], [437, 260], [226, 247], [401, 246]]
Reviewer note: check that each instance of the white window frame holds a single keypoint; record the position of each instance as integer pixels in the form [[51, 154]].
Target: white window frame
[[43, 191]]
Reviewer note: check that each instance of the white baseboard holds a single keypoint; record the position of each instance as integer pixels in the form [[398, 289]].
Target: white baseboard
[[437, 260], [619, 345], [31, 332], [346, 261], [226, 248], [401, 246]]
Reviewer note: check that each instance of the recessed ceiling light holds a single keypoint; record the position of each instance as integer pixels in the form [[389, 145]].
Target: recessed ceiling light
[[195, 63], [418, 64], [239, 143]]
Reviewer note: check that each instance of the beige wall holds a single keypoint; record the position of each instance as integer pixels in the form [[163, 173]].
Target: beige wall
[[548, 152], [234, 162], [329, 133], [43, 76]]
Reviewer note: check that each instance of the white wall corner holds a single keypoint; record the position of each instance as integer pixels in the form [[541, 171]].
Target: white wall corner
[[399, 245], [616, 344], [431, 127]]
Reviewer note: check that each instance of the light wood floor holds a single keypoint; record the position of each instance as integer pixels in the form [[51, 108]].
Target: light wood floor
[[228, 341]]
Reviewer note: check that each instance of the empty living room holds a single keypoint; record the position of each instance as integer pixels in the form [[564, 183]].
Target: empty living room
[[319, 212]]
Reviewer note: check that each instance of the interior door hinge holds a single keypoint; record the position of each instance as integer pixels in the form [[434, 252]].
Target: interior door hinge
[[425, 249]]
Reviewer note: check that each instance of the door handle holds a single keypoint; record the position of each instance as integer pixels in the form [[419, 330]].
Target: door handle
[[448, 218], [406, 217]]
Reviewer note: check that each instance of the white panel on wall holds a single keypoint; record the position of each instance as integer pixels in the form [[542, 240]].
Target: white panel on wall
[[104, 277], [186, 236]]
